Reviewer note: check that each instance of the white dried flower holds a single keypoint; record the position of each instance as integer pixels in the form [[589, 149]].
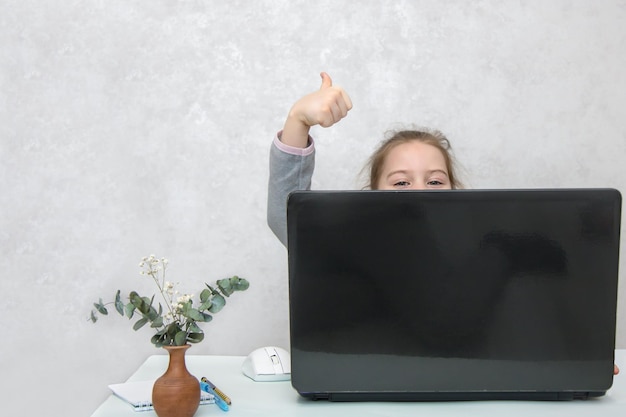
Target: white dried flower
[[184, 298]]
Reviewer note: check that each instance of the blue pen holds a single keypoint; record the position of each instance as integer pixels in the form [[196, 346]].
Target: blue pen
[[218, 400]]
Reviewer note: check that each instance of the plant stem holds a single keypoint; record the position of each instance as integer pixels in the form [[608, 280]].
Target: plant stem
[[153, 273]]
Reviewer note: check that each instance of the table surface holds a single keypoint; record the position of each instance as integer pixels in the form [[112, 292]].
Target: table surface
[[280, 399]]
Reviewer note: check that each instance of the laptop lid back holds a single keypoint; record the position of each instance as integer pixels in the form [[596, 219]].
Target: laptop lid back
[[465, 294]]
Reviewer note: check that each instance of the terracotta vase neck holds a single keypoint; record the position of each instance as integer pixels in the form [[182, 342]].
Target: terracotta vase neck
[[177, 367]]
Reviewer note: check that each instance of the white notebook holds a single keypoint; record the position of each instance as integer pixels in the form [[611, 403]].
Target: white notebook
[[139, 394]]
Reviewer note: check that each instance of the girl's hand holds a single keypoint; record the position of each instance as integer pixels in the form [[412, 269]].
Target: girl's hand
[[324, 107]]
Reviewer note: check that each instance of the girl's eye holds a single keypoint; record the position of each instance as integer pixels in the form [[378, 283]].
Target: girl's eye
[[434, 182], [402, 184]]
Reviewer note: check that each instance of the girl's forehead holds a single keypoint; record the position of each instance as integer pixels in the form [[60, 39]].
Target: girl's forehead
[[415, 153]]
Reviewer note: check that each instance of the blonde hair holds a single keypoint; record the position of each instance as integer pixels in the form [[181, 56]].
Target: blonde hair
[[430, 137]]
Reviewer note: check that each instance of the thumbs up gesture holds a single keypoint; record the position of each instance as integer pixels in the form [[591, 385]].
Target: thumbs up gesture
[[324, 107]]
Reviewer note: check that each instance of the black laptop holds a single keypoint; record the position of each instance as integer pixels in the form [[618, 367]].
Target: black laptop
[[453, 295]]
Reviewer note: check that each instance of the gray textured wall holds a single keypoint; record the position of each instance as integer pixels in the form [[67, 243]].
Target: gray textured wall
[[136, 127]]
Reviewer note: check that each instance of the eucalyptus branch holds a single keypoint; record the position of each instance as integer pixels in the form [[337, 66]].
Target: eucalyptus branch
[[180, 324]]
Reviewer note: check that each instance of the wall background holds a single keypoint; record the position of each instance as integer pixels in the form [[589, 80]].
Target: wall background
[[136, 127]]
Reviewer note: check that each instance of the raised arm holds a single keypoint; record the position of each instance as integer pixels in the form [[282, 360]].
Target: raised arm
[[292, 156]]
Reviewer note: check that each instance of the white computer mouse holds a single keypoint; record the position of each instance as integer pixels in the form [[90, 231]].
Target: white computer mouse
[[268, 363]]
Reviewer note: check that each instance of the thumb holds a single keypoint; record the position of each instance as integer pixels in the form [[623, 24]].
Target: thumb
[[326, 81]]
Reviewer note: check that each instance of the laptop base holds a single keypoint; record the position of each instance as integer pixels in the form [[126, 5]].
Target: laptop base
[[450, 396]]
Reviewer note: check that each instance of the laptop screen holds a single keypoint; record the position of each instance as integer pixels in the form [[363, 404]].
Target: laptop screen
[[459, 290]]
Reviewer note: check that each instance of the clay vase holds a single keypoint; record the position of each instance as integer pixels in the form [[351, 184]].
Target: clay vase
[[176, 393]]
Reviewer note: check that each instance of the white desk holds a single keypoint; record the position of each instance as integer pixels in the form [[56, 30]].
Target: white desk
[[278, 399]]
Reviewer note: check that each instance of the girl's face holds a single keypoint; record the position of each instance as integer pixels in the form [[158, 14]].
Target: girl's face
[[414, 166]]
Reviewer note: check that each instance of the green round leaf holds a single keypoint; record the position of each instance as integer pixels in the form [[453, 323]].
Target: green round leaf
[[218, 303], [130, 310], [241, 284], [205, 294], [101, 308], [157, 322], [205, 305], [119, 306], [193, 328], [193, 314], [180, 338], [140, 323], [172, 329], [195, 337]]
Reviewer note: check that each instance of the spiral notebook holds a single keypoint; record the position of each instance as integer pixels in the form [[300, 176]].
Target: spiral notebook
[[139, 394]]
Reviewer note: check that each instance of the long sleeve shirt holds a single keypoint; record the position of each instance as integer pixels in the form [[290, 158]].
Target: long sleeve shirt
[[291, 169]]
